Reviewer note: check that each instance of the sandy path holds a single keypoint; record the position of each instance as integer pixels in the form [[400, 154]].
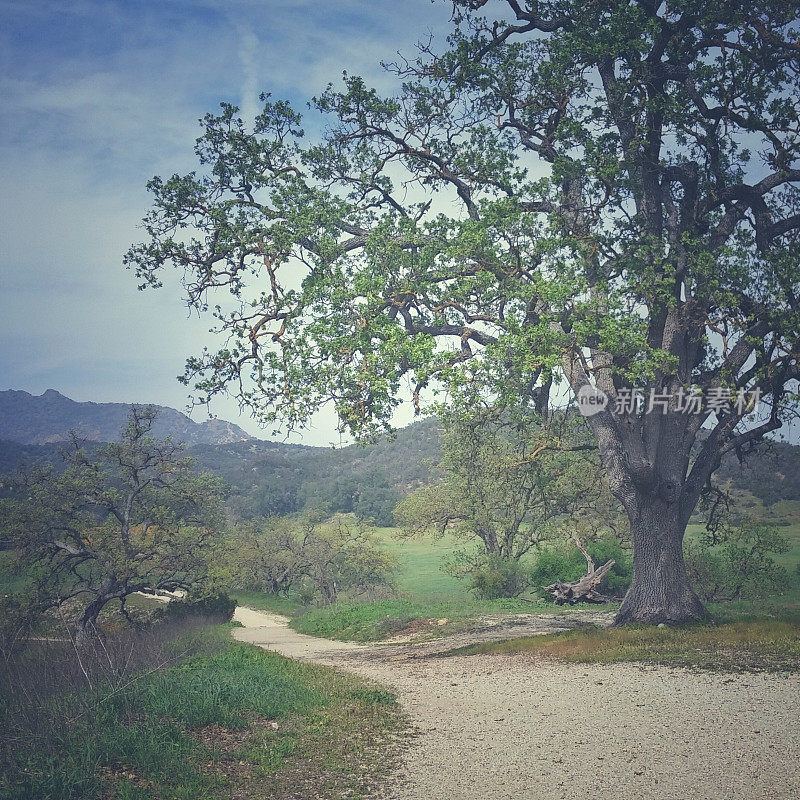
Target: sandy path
[[509, 727]]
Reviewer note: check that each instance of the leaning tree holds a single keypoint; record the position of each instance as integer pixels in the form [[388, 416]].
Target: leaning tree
[[603, 193], [129, 517]]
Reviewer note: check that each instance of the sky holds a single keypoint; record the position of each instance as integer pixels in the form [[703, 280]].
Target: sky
[[98, 96]]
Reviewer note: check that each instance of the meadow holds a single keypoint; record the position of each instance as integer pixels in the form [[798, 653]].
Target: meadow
[[426, 593], [423, 592]]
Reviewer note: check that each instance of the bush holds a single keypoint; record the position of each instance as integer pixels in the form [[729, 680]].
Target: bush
[[556, 564], [736, 562], [498, 577], [317, 557], [619, 578], [566, 563], [215, 606]]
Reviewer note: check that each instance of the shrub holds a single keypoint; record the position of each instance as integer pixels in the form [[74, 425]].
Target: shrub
[[736, 562], [619, 578], [556, 564], [217, 606], [318, 558], [498, 577]]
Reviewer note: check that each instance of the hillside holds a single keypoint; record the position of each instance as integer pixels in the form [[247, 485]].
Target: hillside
[[280, 478], [36, 420], [267, 477]]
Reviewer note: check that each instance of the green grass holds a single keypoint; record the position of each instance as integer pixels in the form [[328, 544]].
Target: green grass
[[13, 578], [383, 619], [791, 558], [427, 597], [287, 606], [425, 593], [238, 719], [751, 646], [420, 562]]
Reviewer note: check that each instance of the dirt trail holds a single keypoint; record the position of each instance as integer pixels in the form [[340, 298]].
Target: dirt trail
[[513, 728]]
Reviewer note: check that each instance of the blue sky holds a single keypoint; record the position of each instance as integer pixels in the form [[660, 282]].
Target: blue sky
[[97, 98]]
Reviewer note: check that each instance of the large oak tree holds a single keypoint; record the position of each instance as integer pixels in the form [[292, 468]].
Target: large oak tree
[[603, 192]]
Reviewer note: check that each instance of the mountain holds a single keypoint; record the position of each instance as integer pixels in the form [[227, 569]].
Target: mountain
[[281, 478], [265, 477], [47, 418]]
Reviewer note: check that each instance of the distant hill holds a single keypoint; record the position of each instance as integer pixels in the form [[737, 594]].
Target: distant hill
[[47, 418], [280, 478], [266, 477]]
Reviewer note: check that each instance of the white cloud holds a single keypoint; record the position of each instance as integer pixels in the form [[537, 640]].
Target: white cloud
[[100, 96], [248, 57]]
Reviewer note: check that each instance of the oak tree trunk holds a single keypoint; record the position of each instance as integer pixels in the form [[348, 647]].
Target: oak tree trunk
[[660, 590], [86, 627]]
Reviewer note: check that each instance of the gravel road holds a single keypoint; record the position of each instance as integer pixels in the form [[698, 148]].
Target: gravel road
[[517, 728]]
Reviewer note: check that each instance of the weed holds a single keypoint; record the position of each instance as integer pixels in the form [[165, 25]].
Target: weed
[[229, 717]]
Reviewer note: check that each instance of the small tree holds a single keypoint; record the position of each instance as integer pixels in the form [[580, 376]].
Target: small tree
[[267, 555], [343, 557], [318, 557], [510, 485], [131, 518]]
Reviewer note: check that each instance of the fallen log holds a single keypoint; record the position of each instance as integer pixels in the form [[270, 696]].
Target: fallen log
[[583, 590]]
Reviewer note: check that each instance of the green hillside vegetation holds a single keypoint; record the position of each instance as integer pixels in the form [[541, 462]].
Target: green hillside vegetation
[[280, 478], [223, 719], [276, 478]]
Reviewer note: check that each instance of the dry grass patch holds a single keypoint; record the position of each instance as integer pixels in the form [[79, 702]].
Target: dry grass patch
[[739, 646]]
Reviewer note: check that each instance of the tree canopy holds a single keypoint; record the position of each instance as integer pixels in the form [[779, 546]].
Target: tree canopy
[[131, 517], [602, 193], [507, 487]]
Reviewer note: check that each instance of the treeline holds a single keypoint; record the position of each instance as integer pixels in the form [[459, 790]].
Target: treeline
[[274, 478]]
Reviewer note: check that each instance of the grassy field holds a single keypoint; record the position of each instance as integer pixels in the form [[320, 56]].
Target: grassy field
[[234, 721], [382, 619], [424, 593], [431, 602], [420, 560]]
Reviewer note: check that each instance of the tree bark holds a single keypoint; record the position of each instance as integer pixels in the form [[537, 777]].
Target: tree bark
[[583, 590], [660, 590], [86, 624]]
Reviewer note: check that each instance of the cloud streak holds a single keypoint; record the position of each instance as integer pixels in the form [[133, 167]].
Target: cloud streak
[[99, 95]]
